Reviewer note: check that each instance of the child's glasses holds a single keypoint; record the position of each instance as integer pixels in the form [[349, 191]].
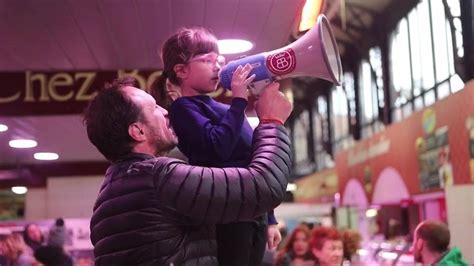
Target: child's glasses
[[210, 60]]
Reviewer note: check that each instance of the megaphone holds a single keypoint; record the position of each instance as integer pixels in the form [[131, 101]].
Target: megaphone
[[315, 54]]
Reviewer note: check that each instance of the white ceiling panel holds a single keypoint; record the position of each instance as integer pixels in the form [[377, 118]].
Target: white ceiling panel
[[77, 35], [93, 29], [155, 20], [28, 41], [61, 27], [220, 17], [126, 32]]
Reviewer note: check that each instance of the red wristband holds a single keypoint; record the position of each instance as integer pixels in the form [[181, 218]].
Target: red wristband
[[271, 120]]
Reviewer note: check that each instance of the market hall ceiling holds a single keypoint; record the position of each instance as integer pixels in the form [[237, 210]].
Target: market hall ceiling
[[107, 35]]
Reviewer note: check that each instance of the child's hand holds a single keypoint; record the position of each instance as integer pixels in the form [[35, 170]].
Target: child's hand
[[241, 80]]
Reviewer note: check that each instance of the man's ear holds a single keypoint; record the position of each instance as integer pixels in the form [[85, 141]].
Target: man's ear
[[419, 244], [135, 130], [181, 71], [315, 252]]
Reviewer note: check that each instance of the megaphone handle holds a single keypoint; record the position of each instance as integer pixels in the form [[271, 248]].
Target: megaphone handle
[[256, 87]]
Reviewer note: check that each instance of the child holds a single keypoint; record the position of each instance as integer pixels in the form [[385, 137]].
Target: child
[[211, 133]]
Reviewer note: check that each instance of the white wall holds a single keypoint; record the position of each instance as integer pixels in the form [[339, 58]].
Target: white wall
[[35, 204], [460, 208], [67, 197]]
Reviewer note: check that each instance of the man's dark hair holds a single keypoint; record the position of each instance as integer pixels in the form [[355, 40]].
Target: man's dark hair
[[435, 234], [108, 116]]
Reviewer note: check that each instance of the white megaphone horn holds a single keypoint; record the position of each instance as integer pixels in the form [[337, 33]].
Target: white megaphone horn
[[315, 54]]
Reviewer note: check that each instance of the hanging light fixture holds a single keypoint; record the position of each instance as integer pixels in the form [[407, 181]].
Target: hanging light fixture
[[234, 46], [3, 128], [19, 190], [22, 143], [46, 156]]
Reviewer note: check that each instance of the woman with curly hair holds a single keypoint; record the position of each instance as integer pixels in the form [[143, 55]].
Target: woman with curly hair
[[13, 249], [296, 251], [351, 242]]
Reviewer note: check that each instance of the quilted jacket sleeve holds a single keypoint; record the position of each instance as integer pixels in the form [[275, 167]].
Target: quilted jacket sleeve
[[221, 195]]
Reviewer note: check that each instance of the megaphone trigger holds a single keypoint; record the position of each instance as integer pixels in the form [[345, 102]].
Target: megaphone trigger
[[256, 87]]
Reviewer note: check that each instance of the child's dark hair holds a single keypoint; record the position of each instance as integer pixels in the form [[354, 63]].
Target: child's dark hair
[[179, 48]]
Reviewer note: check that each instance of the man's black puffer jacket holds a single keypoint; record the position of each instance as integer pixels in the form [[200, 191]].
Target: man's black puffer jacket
[[161, 211]]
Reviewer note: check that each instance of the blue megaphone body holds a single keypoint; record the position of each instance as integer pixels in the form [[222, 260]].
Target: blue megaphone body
[[315, 54]]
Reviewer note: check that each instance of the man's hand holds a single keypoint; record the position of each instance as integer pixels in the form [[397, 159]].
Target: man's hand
[[273, 236], [273, 105]]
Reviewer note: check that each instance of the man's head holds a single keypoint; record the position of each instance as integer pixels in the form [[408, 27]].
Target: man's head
[[123, 119], [33, 233], [430, 238], [326, 245]]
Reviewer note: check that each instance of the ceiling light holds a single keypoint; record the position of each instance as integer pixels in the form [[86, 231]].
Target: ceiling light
[[46, 156], [19, 190], [370, 213], [22, 143], [234, 46], [3, 128]]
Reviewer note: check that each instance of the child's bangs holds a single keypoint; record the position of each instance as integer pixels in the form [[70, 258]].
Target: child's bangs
[[204, 43]]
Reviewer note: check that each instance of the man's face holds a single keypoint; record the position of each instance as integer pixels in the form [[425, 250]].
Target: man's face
[[157, 129], [34, 232], [331, 253]]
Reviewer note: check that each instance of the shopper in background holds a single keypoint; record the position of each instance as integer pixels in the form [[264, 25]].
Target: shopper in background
[[14, 251], [165, 92], [351, 242], [326, 245], [296, 251], [54, 254], [33, 238], [431, 245]]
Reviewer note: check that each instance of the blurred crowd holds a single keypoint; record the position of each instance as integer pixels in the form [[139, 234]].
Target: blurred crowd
[[307, 246], [33, 247]]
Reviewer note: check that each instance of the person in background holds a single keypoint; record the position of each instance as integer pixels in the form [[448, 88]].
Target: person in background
[[154, 210], [14, 251], [33, 238], [326, 245], [213, 134], [296, 251], [431, 245], [54, 254], [165, 92], [351, 242]]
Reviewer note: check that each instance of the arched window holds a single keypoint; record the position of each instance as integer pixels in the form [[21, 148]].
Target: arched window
[[422, 57], [371, 93]]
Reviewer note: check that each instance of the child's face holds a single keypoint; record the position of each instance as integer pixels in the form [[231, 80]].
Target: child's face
[[203, 72]]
